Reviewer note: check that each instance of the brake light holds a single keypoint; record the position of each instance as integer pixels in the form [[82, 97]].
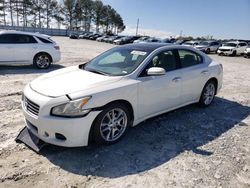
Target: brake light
[[57, 47]]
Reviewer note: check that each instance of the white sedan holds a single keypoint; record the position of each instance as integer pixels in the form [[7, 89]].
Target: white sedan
[[18, 47], [120, 88]]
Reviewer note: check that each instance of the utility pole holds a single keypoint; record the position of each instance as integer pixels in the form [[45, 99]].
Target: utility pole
[[181, 33], [137, 27]]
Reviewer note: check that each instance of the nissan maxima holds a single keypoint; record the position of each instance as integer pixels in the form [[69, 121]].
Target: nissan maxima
[[101, 99]]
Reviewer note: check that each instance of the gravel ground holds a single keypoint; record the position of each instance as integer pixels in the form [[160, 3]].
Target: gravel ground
[[189, 147]]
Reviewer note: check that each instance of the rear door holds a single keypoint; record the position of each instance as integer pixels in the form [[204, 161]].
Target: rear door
[[25, 47], [194, 75]]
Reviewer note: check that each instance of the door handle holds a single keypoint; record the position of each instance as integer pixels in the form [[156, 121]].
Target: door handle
[[204, 72], [176, 79]]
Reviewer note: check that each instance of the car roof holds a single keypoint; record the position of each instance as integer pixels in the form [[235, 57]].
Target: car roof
[[148, 47], [25, 33]]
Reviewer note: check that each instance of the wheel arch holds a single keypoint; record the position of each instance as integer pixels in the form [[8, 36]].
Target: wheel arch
[[215, 80], [42, 52], [123, 101]]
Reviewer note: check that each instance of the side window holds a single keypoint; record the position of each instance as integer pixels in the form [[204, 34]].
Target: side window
[[6, 39], [189, 58], [16, 39], [24, 39], [242, 44], [164, 60], [45, 40]]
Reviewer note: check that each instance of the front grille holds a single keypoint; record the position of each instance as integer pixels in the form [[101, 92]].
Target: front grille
[[224, 50], [30, 106]]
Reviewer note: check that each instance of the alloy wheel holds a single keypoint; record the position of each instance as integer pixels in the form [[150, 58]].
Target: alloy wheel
[[209, 93], [43, 61], [113, 124]]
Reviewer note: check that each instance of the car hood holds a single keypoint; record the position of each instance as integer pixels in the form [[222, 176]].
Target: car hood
[[227, 47], [69, 80]]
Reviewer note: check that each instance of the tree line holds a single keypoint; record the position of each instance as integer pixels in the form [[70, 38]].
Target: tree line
[[83, 15]]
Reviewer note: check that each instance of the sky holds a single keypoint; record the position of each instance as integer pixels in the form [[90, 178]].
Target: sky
[[163, 18]]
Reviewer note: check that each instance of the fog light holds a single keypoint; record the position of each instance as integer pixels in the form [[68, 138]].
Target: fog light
[[60, 137]]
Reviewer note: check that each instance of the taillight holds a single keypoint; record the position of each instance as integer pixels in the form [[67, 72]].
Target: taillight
[[57, 47]]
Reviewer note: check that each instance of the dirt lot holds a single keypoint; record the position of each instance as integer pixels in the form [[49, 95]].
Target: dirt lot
[[190, 147]]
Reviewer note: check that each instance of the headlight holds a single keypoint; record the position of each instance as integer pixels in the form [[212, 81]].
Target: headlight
[[72, 109]]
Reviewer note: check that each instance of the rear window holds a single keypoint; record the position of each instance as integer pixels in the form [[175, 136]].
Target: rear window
[[189, 58], [45, 40]]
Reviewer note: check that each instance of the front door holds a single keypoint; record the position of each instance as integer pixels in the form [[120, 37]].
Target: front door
[[159, 93]]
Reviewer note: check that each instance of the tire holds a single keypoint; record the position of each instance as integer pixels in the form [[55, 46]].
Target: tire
[[207, 94], [42, 61], [208, 51], [108, 130], [234, 53]]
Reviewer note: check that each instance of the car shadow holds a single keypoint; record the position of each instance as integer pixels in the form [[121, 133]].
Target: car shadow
[[153, 142], [26, 69]]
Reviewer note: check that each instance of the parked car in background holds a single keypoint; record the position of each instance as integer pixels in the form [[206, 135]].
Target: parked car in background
[[168, 40], [208, 46], [119, 89], [111, 39], [81, 36], [100, 39], [74, 36], [141, 39], [247, 52], [180, 41], [18, 47], [232, 48], [126, 40], [95, 36], [151, 40], [190, 43]]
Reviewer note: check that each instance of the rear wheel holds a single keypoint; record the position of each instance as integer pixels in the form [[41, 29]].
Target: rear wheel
[[208, 51], [111, 124], [42, 61], [208, 93]]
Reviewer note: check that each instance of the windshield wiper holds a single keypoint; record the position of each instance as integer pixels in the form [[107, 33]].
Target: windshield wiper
[[97, 72]]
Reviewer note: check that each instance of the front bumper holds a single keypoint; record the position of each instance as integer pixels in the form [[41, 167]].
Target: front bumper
[[73, 132], [225, 52]]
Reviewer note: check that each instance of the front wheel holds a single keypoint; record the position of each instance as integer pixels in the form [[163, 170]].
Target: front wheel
[[111, 124], [207, 95], [42, 61], [234, 53]]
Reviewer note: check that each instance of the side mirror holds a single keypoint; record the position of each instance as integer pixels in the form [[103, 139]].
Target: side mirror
[[156, 71]]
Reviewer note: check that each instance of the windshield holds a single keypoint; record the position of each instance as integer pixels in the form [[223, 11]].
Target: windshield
[[204, 44], [230, 44], [116, 62]]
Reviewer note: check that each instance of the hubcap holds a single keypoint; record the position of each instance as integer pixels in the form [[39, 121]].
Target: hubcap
[[209, 93], [113, 124], [43, 61]]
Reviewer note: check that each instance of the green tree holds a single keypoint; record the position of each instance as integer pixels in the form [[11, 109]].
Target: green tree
[[3, 11], [69, 9]]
